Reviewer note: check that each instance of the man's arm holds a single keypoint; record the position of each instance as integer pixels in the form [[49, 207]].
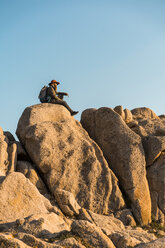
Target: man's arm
[[62, 93], [51, 93]]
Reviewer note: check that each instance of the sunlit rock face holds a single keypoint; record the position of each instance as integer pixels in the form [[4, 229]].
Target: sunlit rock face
[[67, 158], [124, 152]]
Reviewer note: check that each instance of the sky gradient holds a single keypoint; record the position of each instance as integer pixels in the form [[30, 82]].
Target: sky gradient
[[104, 53]]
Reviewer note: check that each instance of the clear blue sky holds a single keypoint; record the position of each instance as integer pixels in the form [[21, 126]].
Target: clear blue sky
[[104, 53]]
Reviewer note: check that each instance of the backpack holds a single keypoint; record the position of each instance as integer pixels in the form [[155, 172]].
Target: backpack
[[42, 95]]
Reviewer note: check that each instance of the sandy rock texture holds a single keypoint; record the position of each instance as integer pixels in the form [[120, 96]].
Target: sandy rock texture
[[67, 158], [159, 243], [156, 179], [4, 161], [30, 172], [19, 198], [124, 152]]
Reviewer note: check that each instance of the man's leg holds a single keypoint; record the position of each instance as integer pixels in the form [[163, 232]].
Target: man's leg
[[65, 105]]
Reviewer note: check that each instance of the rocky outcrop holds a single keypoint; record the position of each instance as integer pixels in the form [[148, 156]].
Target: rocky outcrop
[[56, 186], [67, 158], [125, 155]]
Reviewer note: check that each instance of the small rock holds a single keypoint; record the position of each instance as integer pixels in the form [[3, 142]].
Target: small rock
[[91, 234], [12, 151], [120, 111], [9, 136], [67, 202], [84, 215], [128, 116], [69, 242], [126, 217]]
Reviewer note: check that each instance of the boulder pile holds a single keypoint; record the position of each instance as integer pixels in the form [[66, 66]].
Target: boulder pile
[[99, 182]]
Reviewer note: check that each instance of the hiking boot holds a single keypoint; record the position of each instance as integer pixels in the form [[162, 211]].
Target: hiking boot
[[74, 113]]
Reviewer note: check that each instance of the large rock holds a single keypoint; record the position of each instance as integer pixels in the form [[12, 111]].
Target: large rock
[[153, 147], [124, 152], [156, 179], [150, 126], [143, 113], [19, 198], [67, 158]]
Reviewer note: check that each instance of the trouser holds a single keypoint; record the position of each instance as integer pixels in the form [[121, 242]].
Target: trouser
[[61, 102]]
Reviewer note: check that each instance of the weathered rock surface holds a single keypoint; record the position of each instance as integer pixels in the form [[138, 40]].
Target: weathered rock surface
[[67, 202], [119, 109], [146, 127], [8, 240], [124, 152], [91, 234], [70, 242], [121, 236], [19, 198], [34, 242], [4, 162], [156, 179], [143, 113], [153, 147], [12, 156], [159, 243], [30, 172], [68, 158], [126, 217], [45, 225], [128, 116]]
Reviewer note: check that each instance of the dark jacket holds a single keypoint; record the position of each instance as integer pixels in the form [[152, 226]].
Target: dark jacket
[[52, 94]]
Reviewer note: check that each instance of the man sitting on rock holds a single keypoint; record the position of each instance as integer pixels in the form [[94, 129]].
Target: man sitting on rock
[[57, 97]]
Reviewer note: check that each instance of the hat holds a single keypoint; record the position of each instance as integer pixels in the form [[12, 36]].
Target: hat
[[54, 82]]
